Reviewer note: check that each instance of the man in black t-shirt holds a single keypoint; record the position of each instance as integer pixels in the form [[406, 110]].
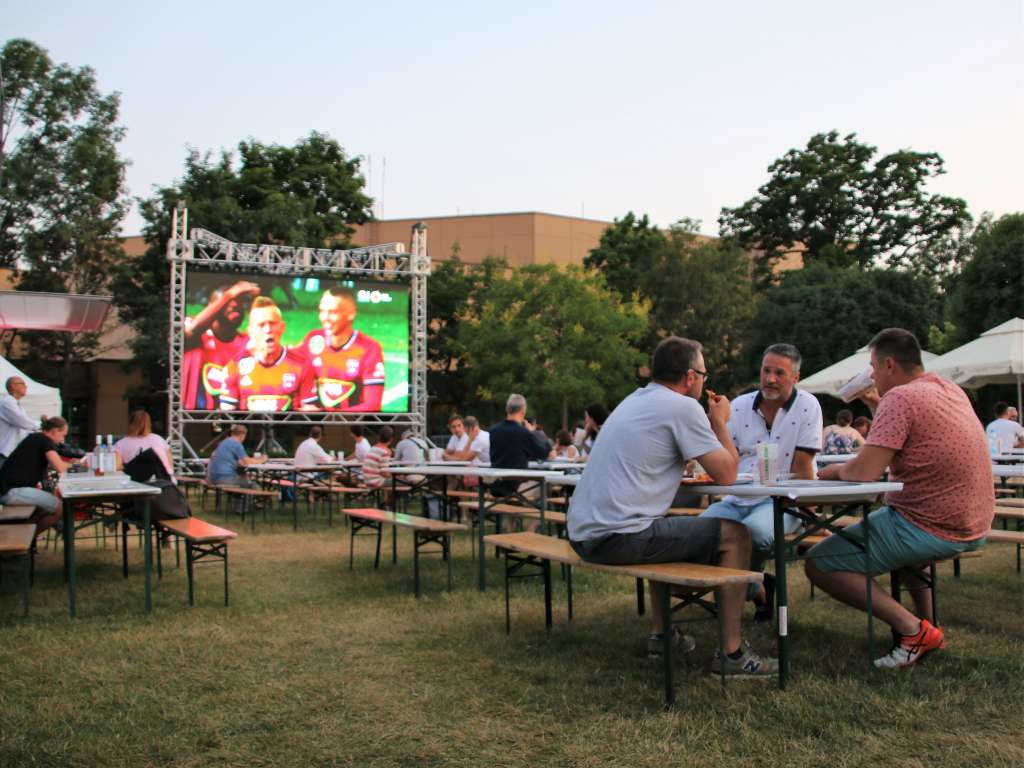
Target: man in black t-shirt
[[514, 444], [25, 470]]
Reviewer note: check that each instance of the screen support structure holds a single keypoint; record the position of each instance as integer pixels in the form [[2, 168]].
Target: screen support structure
[[203, 249]]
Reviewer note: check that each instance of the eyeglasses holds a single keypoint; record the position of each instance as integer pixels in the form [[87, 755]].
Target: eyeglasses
[[705, 374]]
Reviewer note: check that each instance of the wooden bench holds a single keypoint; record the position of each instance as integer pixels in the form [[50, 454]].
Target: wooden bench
[[202, 541], [686, 511], [187, 482], [16, 513], [16, 541], [425, 531], [533, 549], [1008, 537], [1011, 503]]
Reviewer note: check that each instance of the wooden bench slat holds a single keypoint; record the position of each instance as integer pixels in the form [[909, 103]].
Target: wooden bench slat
[[234, 490], [1013, 537], [1010, 503], [679, 574], [16, 512], [405, 521], [514, 510], [194, 529], [1009, 513], [17, 538]]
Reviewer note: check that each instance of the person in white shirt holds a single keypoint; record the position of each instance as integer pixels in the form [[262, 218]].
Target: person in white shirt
[[790, 418], [14, 422], [309, 453], [1004, 432], [459, 441], [362, 446], [478, 450]]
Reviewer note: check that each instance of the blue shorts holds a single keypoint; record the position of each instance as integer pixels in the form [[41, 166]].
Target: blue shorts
[[895, 543]]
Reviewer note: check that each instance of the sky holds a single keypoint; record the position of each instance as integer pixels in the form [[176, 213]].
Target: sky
[[595, 108]]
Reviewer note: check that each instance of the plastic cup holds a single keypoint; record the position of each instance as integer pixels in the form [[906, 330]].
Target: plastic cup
[[768, 463], [856, 386]]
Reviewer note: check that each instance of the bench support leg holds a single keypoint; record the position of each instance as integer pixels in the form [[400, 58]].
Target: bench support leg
[[447, 544], [547, 594], [508, 614], [640, 609], [956, 568], [394, 544], [190, 568], [568, 589], [415, 559], [225, 574], [721, 636], [26, 579], [935, 593], [666, 638], [124, 549]]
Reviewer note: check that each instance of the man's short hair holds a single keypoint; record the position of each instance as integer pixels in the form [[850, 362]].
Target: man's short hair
[[861, 421], [453, 418], [898, 344], [598, 413], [785, 350], [260, 302], [54, 422], [316, 433], [673, 357], [340, 292], [238, 430], [1001, 409], [515, 404], [10, 381], [357, 430], [844, 417], [471, 422], [384, 435]]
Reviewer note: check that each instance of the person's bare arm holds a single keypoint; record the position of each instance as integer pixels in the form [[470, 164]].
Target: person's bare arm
[[55, 461], [249, 461], [195, 327], [803, 465], [722, 463], [869, 464], [870, 398]]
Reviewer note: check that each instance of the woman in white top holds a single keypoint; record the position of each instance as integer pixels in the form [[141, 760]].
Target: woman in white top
[[564, 449], [139, 437]]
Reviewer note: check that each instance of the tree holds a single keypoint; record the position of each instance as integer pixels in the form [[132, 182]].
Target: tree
[[990, 289], [830, 313], [626, 254], [61, 186], [306, 195], [843, 210], [560, 337], [696, 287]]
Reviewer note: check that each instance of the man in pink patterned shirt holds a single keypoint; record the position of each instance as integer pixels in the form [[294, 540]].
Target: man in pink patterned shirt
[[926, 432]]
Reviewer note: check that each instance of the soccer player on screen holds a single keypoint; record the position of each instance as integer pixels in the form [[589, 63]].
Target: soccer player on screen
[[212, 341], [344, 368], [267, 378]]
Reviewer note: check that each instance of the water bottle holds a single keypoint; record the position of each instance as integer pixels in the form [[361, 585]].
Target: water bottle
[[96, 460], [111, 456]]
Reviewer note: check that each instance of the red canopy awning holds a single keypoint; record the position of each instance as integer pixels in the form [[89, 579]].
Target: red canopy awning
[[33, 311]]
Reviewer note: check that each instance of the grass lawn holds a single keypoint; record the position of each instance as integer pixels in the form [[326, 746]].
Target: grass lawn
[[313, 665]]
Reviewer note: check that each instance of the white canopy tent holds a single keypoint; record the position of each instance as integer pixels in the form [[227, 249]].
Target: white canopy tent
[[995, 357], [40, 400], [829, 380]]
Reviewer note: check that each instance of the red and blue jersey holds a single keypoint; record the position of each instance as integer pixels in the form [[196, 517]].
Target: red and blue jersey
[[204, 370], [342, 379]]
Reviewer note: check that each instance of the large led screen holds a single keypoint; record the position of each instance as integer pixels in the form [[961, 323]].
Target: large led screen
[[274, 344]]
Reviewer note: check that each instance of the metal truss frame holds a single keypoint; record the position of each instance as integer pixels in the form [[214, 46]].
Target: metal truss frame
[[208, 251]]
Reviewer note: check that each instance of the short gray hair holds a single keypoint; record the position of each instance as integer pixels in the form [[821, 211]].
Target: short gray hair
[[515, 404], [785, 350]]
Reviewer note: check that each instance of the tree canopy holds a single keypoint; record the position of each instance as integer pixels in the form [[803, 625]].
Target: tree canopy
[[990, 289], [305, 195], [845, 210], [61, 185], [557, 336], [829, 313]]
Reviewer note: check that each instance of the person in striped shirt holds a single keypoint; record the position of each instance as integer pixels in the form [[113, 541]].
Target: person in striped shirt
[[375, 463]]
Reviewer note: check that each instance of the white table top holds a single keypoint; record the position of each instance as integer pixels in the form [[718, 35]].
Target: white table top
[[1009, 458], [488, 473], [804, 490], [565, 480], [839, 458], [1008, 470], [88, 486]]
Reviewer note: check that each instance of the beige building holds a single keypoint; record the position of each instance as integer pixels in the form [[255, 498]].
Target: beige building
[[521, 238]]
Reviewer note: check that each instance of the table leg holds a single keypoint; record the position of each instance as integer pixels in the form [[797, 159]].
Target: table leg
[[666, 650], [867, 585], [481, 515], [148, 535], [781, 597], [69, 555], [295, 501]]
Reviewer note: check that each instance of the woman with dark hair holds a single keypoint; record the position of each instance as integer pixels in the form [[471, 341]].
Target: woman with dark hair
[[564, 449], [841, 438], [594, 417]]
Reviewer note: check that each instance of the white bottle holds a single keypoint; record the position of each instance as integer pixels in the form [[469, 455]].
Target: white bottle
[[110, 455], [97, 453]]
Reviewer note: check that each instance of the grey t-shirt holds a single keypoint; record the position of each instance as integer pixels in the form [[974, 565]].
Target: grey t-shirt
[[637, 462]]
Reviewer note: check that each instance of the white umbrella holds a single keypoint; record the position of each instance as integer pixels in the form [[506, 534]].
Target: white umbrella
[[995, 357], [829, 380]]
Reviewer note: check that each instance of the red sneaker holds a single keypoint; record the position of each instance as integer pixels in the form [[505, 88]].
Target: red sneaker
[[912, 648]]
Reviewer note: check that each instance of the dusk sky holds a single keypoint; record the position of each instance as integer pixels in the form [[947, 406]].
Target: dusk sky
[[669, 109]]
